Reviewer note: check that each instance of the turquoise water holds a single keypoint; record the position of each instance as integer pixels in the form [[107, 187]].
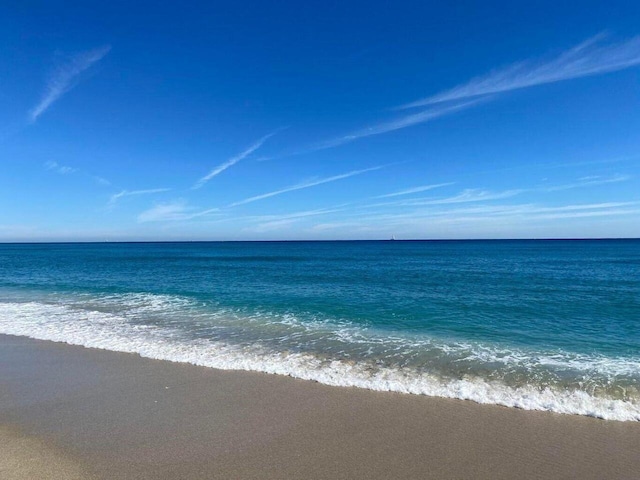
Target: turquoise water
[[549, 325]]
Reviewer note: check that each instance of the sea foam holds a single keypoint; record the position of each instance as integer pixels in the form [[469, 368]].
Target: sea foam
[[97, 326]]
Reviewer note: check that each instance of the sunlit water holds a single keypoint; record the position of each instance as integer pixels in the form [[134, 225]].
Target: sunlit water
[[547, 325]]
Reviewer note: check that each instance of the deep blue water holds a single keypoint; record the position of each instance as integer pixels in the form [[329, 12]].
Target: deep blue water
[[537, 324]]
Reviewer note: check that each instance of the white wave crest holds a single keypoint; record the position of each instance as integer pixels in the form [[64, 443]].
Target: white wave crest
[[110, 331]]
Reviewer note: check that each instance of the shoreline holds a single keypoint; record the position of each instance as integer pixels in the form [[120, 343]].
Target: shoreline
[[44, 323], [120, 415]]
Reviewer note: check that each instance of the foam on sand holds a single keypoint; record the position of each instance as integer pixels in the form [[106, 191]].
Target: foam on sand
[[98, 328]]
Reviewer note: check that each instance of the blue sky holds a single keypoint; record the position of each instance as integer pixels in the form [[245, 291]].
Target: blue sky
[[318, 120]]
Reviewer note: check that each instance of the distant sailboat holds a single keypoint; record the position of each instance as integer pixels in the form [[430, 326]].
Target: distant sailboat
[[393, 237]]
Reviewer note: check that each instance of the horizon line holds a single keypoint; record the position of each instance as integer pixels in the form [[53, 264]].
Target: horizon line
[[540, 239]]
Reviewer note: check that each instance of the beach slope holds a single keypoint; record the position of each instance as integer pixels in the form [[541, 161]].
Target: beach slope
[[103, 414]]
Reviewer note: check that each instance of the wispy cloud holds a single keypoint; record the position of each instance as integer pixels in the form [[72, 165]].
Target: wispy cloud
[[491, 217], [294, 215], [61, 169], [178, 210], [472, 195], [531, 212], [101, 180], [65, 77], [527, 210], [265, 223], [409, 191], [627, 158], [164, 212], [379, 128], [128, 193], [591, 57], [66, 170], [233, 160], [588, 182], [468, 195], [468, 205], [395, 124], [300, 186]]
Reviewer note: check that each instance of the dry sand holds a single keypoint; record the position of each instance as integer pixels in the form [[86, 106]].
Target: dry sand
[[110, 415], [25, 458]]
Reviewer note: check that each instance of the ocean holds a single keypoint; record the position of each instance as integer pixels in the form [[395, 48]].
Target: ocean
[[532, 324]]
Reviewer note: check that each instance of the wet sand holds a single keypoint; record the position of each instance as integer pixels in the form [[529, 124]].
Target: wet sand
[[98, 414]]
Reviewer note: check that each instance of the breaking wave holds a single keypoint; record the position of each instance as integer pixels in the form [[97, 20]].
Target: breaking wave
[[336, 353]]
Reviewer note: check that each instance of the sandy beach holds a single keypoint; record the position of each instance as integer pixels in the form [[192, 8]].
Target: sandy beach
[[72, 412]]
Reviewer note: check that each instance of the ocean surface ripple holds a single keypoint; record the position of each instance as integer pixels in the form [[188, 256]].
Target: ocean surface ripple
[[539, 325]]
